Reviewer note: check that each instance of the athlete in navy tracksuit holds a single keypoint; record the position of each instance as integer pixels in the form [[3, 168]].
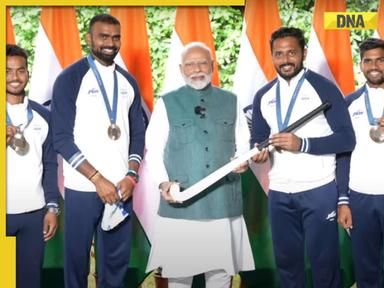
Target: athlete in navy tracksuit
[[32, 191], [360, 173], [99, 130], [303, 193]]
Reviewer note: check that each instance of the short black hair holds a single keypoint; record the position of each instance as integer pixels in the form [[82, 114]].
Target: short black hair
[[14, 50], [105, 18], [288, 32], [369, 44]]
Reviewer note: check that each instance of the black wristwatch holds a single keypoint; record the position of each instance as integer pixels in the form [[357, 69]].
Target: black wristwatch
[[133, 174]]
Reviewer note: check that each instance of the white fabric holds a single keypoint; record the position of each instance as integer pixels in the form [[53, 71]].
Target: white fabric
[[213, 279], [157, 135], [24, 173], [290, 171], [46, 67], [184, 248], [316, 60], [249, 76], [366, 170], [91, 125], [113, 215], [173, 78]]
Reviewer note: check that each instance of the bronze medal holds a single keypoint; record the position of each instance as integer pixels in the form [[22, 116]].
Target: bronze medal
[[114, 132], [376, 134]]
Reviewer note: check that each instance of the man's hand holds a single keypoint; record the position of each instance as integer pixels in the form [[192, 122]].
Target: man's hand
[[126, 188], [165, 192], [105, 189], [11, 131], [344, 216], [285, 141], [50, 225], [262, 156], [241, 168]]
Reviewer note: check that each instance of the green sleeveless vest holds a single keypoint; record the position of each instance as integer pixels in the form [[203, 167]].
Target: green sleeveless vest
[[201, 139]]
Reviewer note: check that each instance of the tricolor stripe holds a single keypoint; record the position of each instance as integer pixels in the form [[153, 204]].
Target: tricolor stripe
[[323, 45], [135, 57], [57, 46], [380, 22], [191, 24], [254, 65], [10, 33]]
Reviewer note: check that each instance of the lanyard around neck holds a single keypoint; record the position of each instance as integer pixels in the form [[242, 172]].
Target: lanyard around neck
[[111, 111], [282, 125]]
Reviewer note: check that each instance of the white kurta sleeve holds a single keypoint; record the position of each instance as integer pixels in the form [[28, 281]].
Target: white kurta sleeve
[[155, 140]]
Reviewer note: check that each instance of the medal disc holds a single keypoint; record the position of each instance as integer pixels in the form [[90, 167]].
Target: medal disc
[[376, 135], [20, 144], [114, 132]]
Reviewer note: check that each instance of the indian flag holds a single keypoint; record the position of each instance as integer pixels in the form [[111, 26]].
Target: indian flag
[[329, 54], [10, 34], [254, 70], [57, 46], [134, 56], [380, 23], [191, 24], [254, 65], [329, 51]]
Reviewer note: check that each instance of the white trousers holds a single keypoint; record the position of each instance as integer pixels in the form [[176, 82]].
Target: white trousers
[[213, 279]]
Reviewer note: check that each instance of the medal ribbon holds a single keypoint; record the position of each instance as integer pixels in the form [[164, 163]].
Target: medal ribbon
[[372, 120], [111, 112], [282, 125], [22, 127]]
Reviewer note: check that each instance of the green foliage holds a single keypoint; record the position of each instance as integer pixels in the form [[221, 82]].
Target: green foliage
[[160, 22], [226, 24], [26, 24], [84, 15]]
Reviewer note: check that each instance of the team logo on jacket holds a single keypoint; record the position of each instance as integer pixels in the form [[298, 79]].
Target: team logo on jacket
[[357, 113], [93, 91], [272, 102]]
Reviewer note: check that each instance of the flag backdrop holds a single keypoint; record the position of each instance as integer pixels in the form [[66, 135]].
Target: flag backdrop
[[323, 57], [323, 45], [191, 24], [135, 57], [380, 22], [254, 69], [9, 33], [57, 46]]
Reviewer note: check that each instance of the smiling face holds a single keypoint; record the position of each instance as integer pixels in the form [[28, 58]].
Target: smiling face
[[104, 41], [372, 66], [197, 67], [17, 76], [288, 57]]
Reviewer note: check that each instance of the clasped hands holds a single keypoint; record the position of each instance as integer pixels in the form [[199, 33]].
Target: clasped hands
[[108, 192]]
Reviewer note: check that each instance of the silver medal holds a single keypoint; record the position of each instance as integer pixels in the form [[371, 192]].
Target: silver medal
[[20, 144]]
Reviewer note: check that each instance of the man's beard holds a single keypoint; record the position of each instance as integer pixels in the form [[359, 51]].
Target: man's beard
[[198, 84], [293, 74], [374, 81], [106, 58]]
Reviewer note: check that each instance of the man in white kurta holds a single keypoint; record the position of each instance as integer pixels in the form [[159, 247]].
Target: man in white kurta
[[193, 131]]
